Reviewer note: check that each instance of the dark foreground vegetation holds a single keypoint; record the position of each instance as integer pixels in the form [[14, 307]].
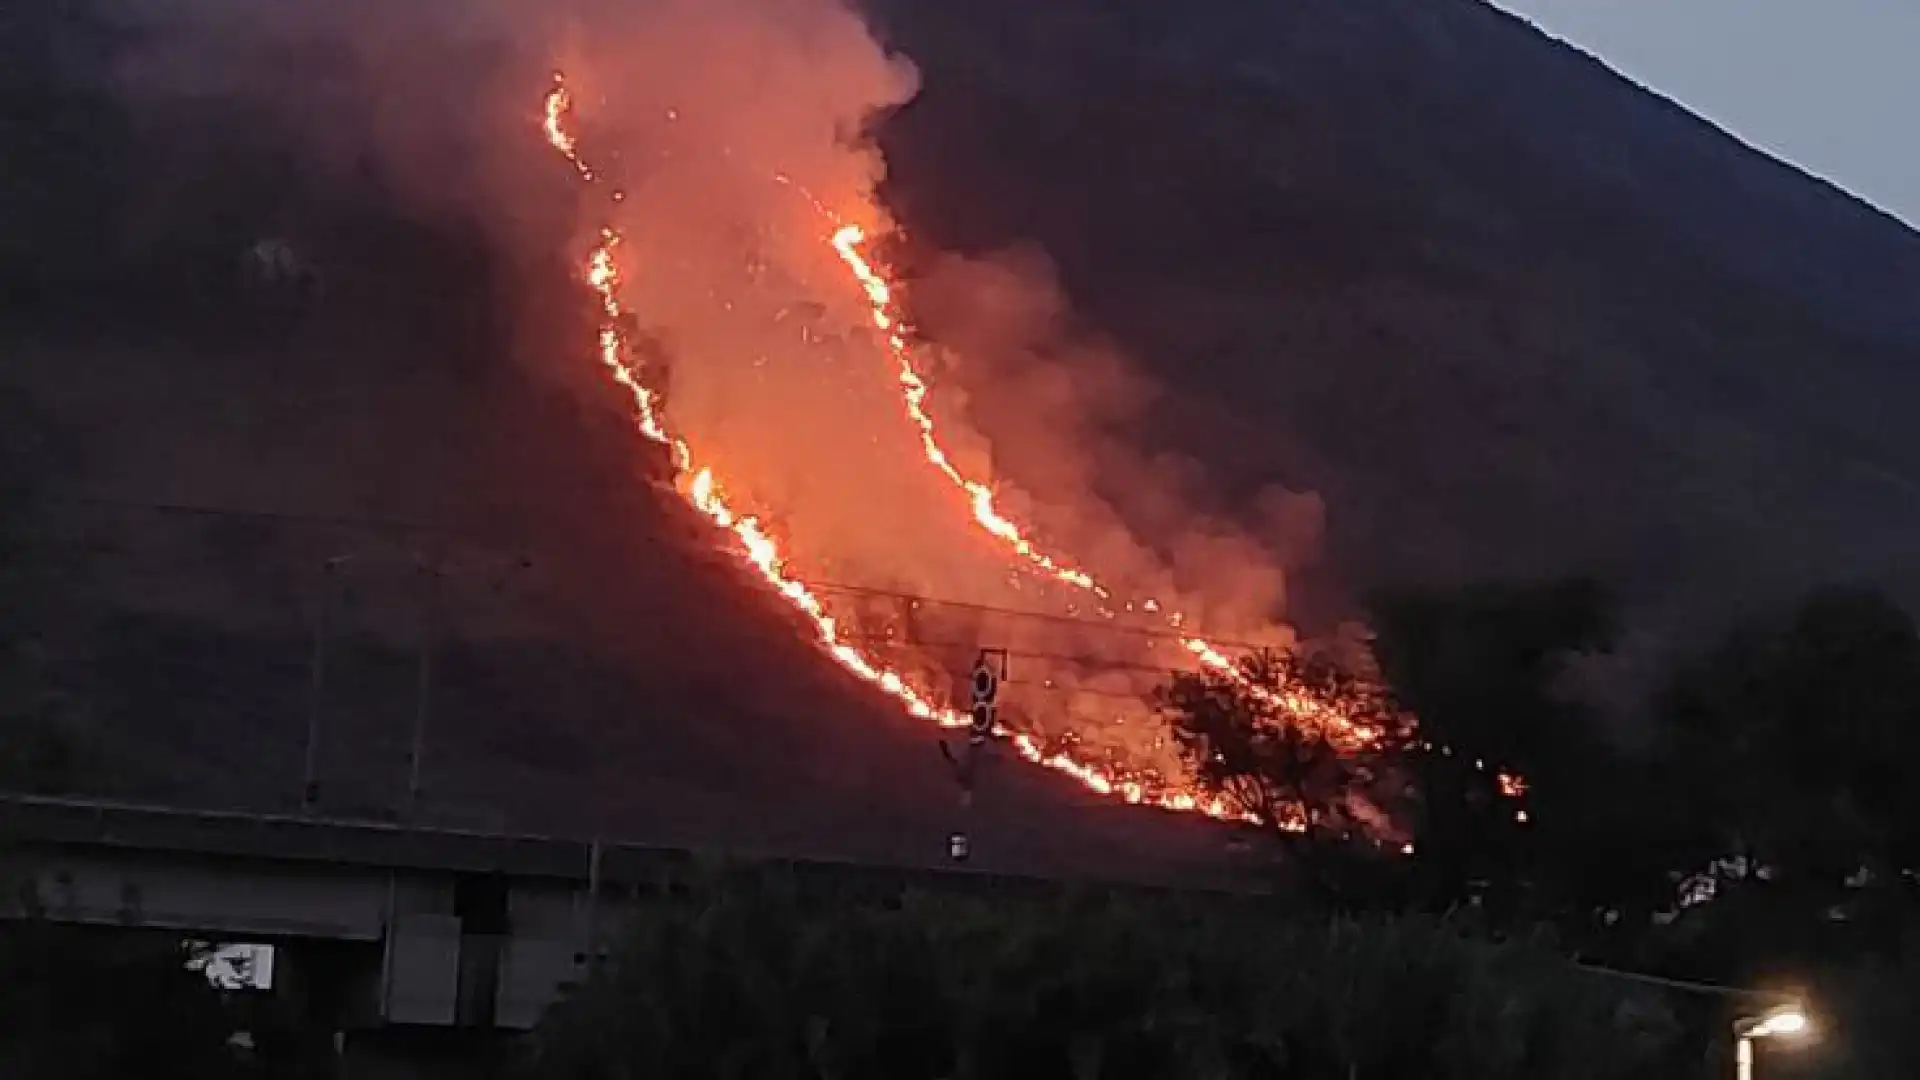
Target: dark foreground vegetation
[[1764, 840], [1751, 823], [748, 980]]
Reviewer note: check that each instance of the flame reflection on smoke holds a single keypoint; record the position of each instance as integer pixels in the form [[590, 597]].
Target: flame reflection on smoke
[[702, 489]]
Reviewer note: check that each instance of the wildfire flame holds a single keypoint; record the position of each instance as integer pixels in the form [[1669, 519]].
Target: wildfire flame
[[702, 489], [847, 240], [1301, 707]]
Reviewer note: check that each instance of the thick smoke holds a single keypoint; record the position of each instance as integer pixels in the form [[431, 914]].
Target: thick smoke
[[1069, 421], [738, 135]]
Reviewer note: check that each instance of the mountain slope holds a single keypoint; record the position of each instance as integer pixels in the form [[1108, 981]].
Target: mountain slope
[[1507, 313], [599, 666]]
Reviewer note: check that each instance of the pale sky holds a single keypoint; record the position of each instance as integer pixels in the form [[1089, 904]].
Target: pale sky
[[1830, 85]]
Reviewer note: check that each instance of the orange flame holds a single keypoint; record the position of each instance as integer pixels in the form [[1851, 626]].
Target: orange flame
[[703, 491], [559, 104], [1301, 707], [846, 241]]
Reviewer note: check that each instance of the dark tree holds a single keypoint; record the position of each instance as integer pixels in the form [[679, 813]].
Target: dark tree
[[1480, 665], [1322, 785], [1525, 806], [1800, 737]]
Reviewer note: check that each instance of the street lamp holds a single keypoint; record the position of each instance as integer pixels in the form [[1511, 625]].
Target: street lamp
[[1785, 1022]]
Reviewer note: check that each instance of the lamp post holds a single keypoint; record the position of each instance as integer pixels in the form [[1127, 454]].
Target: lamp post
[[1785, 1022]]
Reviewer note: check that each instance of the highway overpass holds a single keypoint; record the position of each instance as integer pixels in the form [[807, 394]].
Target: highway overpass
[[375, 925]]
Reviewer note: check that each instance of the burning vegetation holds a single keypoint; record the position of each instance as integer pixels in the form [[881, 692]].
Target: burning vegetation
[[888, 649]]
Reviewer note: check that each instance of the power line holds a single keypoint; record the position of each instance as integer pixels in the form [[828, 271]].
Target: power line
[[405, 527], [1110, 627], [1082, 659], [179, 572], [390, 525], [1687, 985]]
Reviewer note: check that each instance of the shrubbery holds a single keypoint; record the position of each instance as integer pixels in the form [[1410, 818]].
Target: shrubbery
[[749, 981]]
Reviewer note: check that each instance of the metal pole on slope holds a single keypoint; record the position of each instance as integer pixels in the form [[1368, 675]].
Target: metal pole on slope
[[590, 944], [985, 687], [316, 688], [423, 702], [430, 618]]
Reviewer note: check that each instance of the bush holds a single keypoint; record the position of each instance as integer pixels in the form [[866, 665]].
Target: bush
[[748, 980]]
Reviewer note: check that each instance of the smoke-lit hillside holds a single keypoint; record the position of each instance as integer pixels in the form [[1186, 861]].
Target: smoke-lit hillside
[[1245, 311], [1504, 312]]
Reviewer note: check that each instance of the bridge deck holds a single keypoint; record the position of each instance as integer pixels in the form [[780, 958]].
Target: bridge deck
[[93, 823]]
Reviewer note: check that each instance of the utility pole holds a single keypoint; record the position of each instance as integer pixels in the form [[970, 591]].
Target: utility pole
[[423, 700], [589, 952], [316, 687], [436, 574], [989, 671]]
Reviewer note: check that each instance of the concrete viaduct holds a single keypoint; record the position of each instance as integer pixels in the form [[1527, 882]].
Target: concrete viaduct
[[375, 926]]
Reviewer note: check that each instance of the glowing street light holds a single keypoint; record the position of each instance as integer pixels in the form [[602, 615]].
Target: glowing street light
[[1785, 1022]]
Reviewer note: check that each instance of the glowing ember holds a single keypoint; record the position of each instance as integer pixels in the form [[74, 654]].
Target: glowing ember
[[699, 486], [559, 104]]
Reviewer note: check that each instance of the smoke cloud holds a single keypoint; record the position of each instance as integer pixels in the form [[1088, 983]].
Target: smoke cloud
[[736, 132]]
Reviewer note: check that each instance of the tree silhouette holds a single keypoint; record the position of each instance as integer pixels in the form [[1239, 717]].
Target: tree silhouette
[[1800, 736], [1481, 667], [1319, 788]]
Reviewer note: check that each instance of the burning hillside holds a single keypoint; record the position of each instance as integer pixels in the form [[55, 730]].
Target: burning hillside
[[426, 403], [747, 311]]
